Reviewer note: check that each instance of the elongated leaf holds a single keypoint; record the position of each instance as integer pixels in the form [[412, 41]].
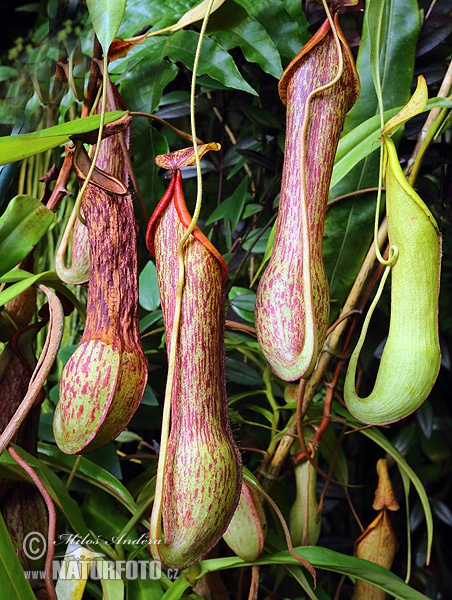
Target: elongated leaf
[[53, 484], [329, 560], [88, 471], [22, 225], [147, 75], [17, 288], [363, 140], [106, 16], [231, 26], [289, 32], [356, 145], [239, 372], [7, 73], [14, 584], [144, 589], [16, 147], [214, 61], [171, 14], [113, 589], [149, 291], [232, 207], [242, 302], [24, 279], [375, 11], [396, 62], [147, 143]]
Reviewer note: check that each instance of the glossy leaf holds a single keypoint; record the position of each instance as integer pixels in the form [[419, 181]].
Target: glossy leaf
[[23, 284], [106, 16], [113, 589], [329, 560], [149, 320], [102, 516], [173, 14], [22, 280], [14, 584], [242, 302], [147, 143], [214, 61], [90, 472], [362, 141], [16, 147], [232, 27], [22, 225], [239, 372], [144, 589], [149, 291], [144, 79], [53, 484], [288, 29], [7, 73]]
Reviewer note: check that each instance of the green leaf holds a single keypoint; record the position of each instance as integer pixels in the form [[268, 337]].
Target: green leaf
[[363, 140], [106, 16], [232, 27], [242, 302], [144, 589], [52, 482], [103, 518], [374, 16], [161, 14], [7, 73], [149, 320], [267, 414], [24, 280], [16, 147], [90, 472], [22, 225], [14, 584], [214, 61], [147, 143], [239, 372], [146, 76], [268, 251], [113, 589], [257, 241], [251, 209], [231, 209], [289, 32], [149, 398], [357, 144], [17, 288], [329, 560], [400, 35], [14, 290], [149, 296]]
